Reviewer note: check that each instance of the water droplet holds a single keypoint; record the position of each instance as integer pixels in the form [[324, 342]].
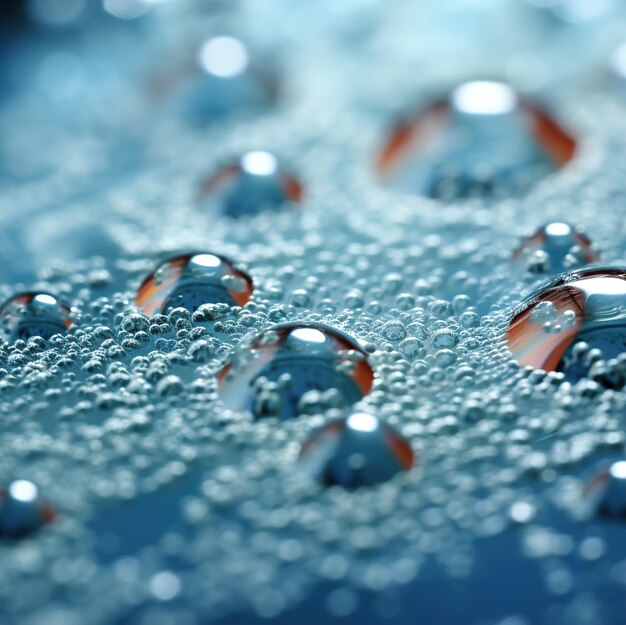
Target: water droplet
[[482, 140], [22, 509], [191, 280], [35, 313], [311, 354], [359, 450], [577, 314], [257, 182], [394, 331], [605, 493], [225, 79], [554, 248]]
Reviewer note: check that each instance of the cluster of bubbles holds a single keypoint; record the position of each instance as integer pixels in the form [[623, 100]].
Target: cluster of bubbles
[[343, 360]]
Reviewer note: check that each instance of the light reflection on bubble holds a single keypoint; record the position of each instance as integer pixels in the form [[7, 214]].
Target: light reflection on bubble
[[225, 57], [259, 163], [484, 98], [23, 490]]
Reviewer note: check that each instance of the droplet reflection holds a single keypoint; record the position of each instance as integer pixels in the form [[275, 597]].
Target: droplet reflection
[[481, 140], [576, 325], [356, 451], [190, 280], [294, 368], [34, 313]]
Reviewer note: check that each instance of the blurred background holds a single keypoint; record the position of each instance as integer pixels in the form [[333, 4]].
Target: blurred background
[[120, 121]]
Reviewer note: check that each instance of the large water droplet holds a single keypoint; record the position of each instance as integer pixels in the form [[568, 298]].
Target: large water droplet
[[483, 139], [605, 494], [225, 78], [359, 450], [35, 313], [22, 509], [257, 182], [553, 248], [586, 322], [190, 280], [295, 367]]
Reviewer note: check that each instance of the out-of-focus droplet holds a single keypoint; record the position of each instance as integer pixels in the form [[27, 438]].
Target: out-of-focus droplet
[[359, 450], [572, 11], [294, 368], [225, 79], [58, 12], [22, 510], [576, 325], [125, 9], [617, 64], [482, 140], [554, 248], [34, 313], [257, 182], [190, 280], [605, 493]]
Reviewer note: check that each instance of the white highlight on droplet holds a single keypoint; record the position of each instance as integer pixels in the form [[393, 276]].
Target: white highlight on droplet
[[44, 298], [618, 61], [484, 97], [206, 260], [223, 56], [362, 422], [618, 470], [558, 229], [23, 490], [308, 335], [259, 163]]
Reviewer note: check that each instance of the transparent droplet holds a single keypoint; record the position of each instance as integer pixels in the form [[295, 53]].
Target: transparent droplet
[[22, 509], [605, 493], [483, 140], [35, 313], [225, 78], [257, 182], [191, 280], [359, 450], [310, 356], [554, 248], [579, 313]]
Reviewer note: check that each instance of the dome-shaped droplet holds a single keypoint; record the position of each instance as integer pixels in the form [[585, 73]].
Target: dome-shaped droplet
[[293, 368], [257, 182], [482, 140], [359, 450], [225, 78], [564, 13], [605, 493], [576, 325], [554, 248], [34, 313], [22, 509], [190, 280]]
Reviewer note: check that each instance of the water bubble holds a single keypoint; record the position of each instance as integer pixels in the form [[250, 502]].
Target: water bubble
[[356, 451], [191, 281], [394, 331], [444, 338], [310, 353]]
